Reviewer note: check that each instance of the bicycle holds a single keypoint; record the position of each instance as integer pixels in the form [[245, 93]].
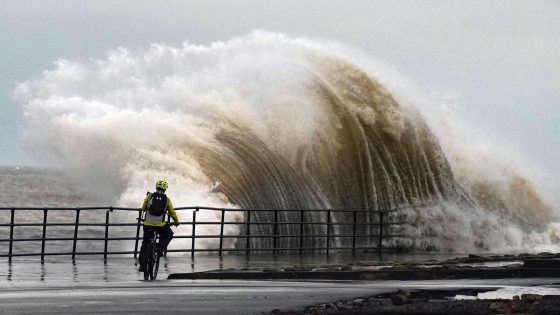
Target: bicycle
[[151, 257]]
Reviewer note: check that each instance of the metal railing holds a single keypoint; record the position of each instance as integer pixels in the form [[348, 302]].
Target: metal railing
[[308, 230]]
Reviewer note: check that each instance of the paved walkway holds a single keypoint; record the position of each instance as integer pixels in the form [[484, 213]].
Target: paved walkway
[[89, 286]]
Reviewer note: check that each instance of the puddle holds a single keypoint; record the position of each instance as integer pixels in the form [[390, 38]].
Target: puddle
[[507, 293]]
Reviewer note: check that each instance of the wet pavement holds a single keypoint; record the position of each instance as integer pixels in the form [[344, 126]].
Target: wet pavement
[[123, 269], [92, 286]]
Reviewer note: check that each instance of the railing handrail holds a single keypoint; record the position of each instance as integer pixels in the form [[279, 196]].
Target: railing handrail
[[198, 208], [378, 229]]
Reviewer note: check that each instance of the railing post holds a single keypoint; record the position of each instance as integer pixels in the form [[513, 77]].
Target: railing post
[[275, 234], [193, 231], [222, 232], [12, 219], [380, 245], [328, 230], [106, 232], [354, 233], [301, 233], [137, 233], [76, 224], [248, 225], [45, 211]]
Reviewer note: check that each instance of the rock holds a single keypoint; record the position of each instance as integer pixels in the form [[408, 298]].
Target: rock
[[401, 297], [541, 263], [358, 301], [398, 299], [531, 297], [499, 307], [343, 307], [404, 292], [555, 298]]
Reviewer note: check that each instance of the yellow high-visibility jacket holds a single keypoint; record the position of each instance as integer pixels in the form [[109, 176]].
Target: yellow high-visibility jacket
[[152, 220]]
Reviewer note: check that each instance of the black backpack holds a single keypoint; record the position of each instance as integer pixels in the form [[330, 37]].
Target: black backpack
[[157, 204]]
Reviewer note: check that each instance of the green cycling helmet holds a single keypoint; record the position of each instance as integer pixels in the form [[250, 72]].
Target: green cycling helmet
[[161, 184]]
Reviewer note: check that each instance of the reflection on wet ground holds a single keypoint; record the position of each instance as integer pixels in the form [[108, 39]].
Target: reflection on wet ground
[[80, 270], [124, 268]]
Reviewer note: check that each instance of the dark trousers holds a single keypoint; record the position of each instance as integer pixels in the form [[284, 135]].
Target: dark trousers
[[165, 236]]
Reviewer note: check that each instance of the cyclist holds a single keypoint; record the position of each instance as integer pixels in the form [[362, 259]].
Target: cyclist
[[156, 205]]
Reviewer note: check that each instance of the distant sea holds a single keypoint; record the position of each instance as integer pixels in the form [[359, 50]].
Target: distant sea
[[42, 187]]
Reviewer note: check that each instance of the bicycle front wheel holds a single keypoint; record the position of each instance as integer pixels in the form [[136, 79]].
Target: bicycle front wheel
[[149, 273], [149, 268], [156, 267]]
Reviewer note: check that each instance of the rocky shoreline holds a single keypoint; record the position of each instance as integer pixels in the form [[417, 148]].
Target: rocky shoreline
[[469, 267], [444, 302], [432, 302]]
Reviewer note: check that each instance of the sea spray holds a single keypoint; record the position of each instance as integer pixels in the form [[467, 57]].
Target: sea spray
[[265, 121]]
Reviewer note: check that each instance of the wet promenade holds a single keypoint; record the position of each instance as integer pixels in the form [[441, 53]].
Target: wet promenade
[[90, 286]]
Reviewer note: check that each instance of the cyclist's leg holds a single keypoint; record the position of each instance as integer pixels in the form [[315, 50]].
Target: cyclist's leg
[[166, 235]]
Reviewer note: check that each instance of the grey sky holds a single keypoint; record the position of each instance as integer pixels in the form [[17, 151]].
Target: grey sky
[[500, 58]]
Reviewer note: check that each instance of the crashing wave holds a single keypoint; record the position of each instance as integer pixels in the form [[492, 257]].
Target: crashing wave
[[265, 121]]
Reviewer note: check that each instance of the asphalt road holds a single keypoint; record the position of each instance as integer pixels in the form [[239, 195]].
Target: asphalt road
[[207, 296], [192, 297], [92, 287]]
